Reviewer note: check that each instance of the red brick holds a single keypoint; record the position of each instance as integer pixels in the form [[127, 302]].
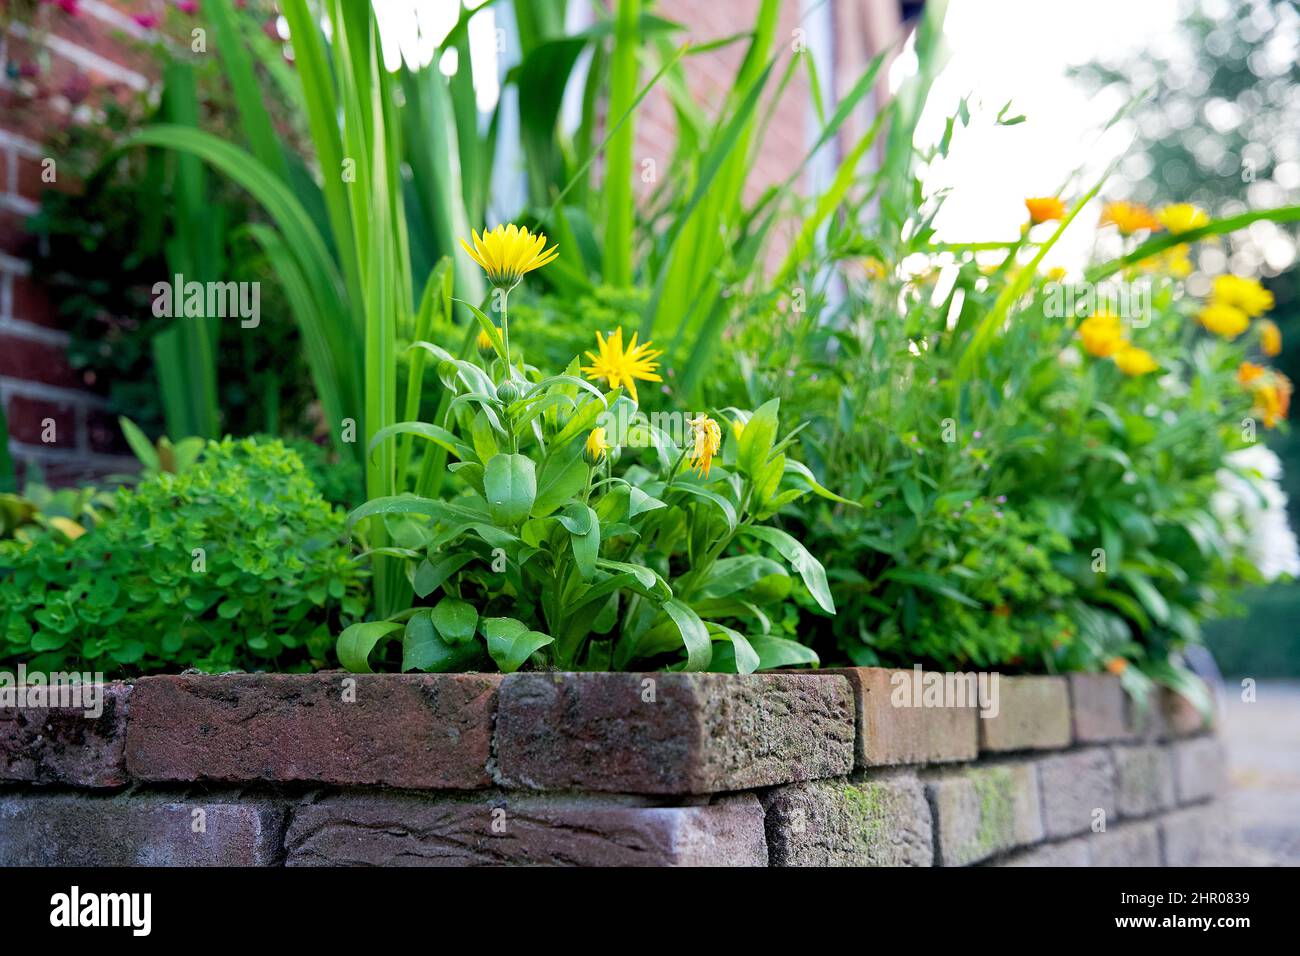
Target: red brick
[[1099, 709], [415, 731], [672, 733], [108, 42], [13, 237], [32, 303], [31, 184], [64, 745], [888, 735], [26, 417], [36, 362]]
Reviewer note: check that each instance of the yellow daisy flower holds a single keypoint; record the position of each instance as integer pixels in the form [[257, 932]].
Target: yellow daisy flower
[[1245, 294], [1133, 361], [1270, 338], [623, 367], [1130, 217], [507, 253], [1044, 209], [706, 439], [1222, 319], [1182, 217], [1101, 334], [596, 447]]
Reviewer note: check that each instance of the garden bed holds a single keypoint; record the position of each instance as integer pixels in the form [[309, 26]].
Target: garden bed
[[605, 769]]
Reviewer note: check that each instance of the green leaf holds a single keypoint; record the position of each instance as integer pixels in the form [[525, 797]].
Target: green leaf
[[757, 439], [563, 476], [781, 652], [586, 545], [424, 650], [455, 620], [140, 444], [356, 643], [430, 575], [510, 642], [511, 485], [695, 636], [808, 567]]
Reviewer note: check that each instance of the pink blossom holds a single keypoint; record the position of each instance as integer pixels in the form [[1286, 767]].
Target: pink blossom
[[188, 6], [146, 20]]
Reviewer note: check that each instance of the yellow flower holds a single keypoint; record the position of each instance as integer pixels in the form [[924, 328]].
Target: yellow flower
[[1174, 261], [596, 448], [1273, 399], [620, 366], [1056, 274], [1101, 334], [1044, 209], [706, 439], [1245, 294], [1222, 319], [1248, 373], [874, 268], [1117, 665], [1182, 217], [507, 253], [1270, 338], [1130, 217], [1133, 361], [484, 343]]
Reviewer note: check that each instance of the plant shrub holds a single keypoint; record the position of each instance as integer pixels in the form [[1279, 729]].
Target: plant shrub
[[237, 563]]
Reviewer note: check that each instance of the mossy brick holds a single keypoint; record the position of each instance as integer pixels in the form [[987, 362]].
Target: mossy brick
[[65, 745], [1077, 789], [1199, 770], [1126, 844], [138, 829], [395, 730], [1196, 836], [1145, 778], [981, 811], [1099, 709], [1033, 713], [671, 733], [877, 819], [894, 728], [497, 828]]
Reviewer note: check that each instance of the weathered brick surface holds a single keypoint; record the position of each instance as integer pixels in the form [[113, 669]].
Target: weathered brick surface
[[1129, 844], [1196, 836], [1066, 853], [892, 728], [1180, 718], [984, 810], [1099, 709], [63, 745], [138, 830], [1145, 775], [1033, 714], [882, 819], [415, 731], [672, 733], [1198, 768], [403, 829], [1074, 787]]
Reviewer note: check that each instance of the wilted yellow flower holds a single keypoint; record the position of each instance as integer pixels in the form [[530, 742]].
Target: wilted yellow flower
[[1133, 361], [623, 367], [1102, 334], [1130, 217], [596, 448], [1044, 209], [507, 253], [1242, 293], [1182, 217], [1222, 319], [705, 439], [1270, 337], [1249, 373]]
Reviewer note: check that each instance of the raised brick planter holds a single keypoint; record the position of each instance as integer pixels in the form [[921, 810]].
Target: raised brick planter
[[793, 769]]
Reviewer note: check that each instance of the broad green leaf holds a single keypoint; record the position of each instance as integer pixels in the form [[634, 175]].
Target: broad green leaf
[[807, 566], [757, 439], [510, 642], [563, 476], [695, 636], [511, 485], [357, 641], [455, 620]]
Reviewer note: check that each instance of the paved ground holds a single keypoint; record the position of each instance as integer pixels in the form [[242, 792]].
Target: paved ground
[[1263, 740]]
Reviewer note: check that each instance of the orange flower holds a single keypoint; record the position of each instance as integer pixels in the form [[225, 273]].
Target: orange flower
[[1044, 209], [1273, 399], [1130, 217], [1117, 665], [1249, 372]]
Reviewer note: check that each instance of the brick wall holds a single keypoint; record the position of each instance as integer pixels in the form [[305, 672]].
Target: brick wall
[[814, 768], [81, 59]]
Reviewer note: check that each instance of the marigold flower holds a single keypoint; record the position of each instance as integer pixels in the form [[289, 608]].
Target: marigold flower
[[623, 367], [1129, 217], [507, 253], [1182, 217], [705, 439], [1224, 320], [1242, 293], [1273, 399], [594, 451], [1248, 373], [1044, 209], [1270, 338], [1117, 665], [1102, 334], [1133, 361]]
